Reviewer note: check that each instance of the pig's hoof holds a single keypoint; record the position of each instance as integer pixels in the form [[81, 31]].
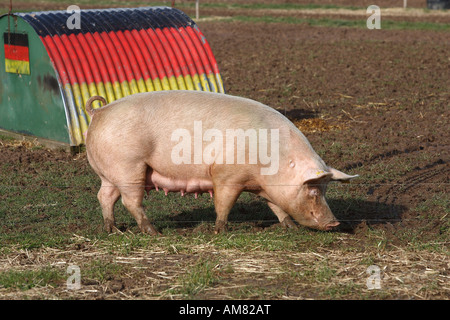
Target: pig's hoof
[[110, 227], [149, 229], [287, 223], [221, 227]]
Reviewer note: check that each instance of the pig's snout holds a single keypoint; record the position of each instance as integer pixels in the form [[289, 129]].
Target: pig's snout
[[321, 225], [331, 225]]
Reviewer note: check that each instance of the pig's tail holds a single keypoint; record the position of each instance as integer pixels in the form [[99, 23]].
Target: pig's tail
[[89, 108]]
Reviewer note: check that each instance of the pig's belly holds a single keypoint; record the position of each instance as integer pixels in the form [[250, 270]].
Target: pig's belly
[[155, 180]]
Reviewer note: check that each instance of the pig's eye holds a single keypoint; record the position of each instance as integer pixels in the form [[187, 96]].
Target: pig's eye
[[313, 192]]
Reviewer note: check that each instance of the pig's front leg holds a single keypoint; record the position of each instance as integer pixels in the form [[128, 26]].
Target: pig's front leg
[[225, 197], [283, 217]]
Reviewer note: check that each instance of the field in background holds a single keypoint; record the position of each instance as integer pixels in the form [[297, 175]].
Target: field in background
[[371, 102]]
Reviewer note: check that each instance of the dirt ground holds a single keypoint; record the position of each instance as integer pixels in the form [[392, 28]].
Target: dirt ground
[[383, 94], [388, 89], [372, 99]]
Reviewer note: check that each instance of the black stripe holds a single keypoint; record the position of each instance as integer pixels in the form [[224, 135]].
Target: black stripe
[[17, 39], [100, 20]]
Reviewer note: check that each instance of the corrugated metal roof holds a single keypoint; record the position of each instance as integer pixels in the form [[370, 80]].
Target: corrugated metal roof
[[118, 52]]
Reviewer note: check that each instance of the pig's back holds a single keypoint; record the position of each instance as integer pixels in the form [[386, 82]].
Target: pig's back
[[169, 110]]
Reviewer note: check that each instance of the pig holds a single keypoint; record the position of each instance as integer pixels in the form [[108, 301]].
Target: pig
[[196, 142]]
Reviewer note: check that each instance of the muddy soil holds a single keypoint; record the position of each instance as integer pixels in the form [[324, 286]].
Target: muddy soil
[[378, 101], [386, 93]]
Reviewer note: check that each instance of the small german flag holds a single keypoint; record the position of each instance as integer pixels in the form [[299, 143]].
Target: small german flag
[[17, 57]]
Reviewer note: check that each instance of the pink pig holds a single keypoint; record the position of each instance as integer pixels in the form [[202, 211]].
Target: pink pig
[[202, 142]]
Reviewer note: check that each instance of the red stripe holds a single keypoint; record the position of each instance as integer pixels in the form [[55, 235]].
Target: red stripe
[[167, 41], [208, 50], [98, 56], [200, 50], [83, 46], [126, 56], [78, 76], [146, 54], [167, 68], [154, 54], [105, 52], [66, 59], [138, 54], [57, 59], [80, 51], [186, 54], [192, 50], [177, 51], [116, 62], [13, 52]]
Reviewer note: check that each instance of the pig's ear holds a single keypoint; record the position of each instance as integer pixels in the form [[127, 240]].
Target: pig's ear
[[313, 176], [340, 176]]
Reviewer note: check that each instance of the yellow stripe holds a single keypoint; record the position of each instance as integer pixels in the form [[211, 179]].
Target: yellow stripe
[[173, 83], [117, 90], [133, 86], [149, 85], [97, 89], [77, 95], [157, 84], [204, 82], [85, 95], [109, 92], [212, 83], [181, 83], [165, 84], [78, 125], [93, 92], [125, 88], [17, 66], [197, 83], [92, 87], [189, 83], [74, 128], [141, 85]]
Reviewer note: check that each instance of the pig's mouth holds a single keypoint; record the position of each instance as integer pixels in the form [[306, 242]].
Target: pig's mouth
[[331, 225], [324, 226]]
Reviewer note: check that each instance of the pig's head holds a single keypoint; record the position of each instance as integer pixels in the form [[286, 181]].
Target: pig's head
[[305, 202]]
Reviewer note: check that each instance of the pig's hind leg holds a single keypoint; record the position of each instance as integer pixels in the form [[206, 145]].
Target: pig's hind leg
[[132, 190], [108, 196]]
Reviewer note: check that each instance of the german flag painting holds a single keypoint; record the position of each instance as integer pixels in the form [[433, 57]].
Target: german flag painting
[[17, 56]]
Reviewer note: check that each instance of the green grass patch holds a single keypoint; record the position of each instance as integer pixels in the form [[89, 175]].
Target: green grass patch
[[337, 23], [27, 279], [275, 6], [203, 274], [101, 271]]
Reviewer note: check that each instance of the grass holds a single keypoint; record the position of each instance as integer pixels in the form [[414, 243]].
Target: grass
[[51, 208], [184, 5], [28, 279], [337, 23], [198, 277]]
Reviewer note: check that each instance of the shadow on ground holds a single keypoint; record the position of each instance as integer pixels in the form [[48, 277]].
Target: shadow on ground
[[257, 216]]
